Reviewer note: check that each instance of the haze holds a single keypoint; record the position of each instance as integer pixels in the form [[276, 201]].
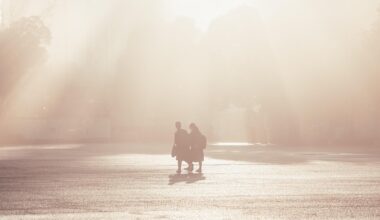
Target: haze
[[189, 109], [282, 72]]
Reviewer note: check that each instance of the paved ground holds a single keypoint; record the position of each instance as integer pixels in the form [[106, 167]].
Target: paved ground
[[122, 182]]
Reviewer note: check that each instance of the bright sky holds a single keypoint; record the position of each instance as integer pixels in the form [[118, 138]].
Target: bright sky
[[1, 11], [203, 12]]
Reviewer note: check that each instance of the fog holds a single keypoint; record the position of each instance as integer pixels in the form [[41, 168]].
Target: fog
[[281, 72]]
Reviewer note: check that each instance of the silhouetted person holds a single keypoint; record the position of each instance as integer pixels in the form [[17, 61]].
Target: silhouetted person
[[181, 148], [198, 143]]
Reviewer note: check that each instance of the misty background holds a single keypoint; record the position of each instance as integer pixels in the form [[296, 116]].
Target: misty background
[[282, 72]]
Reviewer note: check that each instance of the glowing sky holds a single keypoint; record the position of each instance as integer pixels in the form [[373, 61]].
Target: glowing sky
[[203, 12]]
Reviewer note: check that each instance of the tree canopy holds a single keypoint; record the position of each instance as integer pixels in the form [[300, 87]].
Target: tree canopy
[[22, 46]]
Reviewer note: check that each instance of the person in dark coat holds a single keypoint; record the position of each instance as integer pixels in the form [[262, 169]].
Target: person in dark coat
[[181, 146], [197, 144]]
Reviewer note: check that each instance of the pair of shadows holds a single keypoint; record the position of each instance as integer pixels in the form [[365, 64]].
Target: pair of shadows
[[187, 178]]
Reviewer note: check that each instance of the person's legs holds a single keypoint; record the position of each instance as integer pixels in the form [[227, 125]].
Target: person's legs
[[189, 160], [189, 166], [200, 167], [179, 166]]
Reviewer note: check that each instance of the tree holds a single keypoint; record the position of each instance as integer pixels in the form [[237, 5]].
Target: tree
[[22, 46], [243, 71], [369, 73]]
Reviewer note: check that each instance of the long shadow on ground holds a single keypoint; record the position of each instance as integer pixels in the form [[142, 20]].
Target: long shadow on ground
[[187, 178]]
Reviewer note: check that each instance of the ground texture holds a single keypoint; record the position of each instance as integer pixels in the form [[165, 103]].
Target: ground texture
[[132, 181]]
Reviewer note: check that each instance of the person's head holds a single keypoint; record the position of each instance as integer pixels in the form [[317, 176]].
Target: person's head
[[178, 125], [193, 127]]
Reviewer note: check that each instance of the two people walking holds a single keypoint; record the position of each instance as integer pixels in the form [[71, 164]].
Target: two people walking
[[188, 147]]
